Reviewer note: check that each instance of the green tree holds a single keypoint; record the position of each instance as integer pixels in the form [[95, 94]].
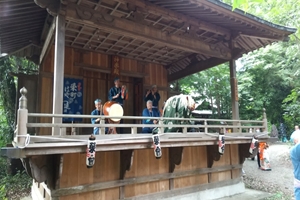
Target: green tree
[[9, 67], [264, 82], [211, 87]]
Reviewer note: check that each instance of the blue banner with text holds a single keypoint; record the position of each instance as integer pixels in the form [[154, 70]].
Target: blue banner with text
[[73, 98]]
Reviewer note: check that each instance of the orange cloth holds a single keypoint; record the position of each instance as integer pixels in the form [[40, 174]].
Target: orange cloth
[[261, 148]]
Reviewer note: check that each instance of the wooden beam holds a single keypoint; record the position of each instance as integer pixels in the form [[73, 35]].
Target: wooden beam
[[138, 180], [192, 56], [59, 63], [126, 159], [85, 15], [80, 147], [265, 37], [48, 40], [147, 7], [172, 194], [175, 157], [106, 70], [195, 67], [212, 154], [244, 152]]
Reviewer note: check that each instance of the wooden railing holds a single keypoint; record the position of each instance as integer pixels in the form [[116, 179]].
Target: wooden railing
[[207, 125]]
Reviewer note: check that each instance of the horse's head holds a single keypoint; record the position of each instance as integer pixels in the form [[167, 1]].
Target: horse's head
[[190, 103]]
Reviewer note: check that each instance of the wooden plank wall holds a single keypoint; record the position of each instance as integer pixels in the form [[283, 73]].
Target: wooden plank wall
[[225, 160], [193, 158], [145, 164], [157, 75], [75, 172], [97, 83], [107, 168]]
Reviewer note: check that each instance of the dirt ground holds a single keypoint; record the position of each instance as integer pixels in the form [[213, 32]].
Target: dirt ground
[[279, 181]]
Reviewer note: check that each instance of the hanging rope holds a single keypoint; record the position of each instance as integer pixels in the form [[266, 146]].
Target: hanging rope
[[27, 141]]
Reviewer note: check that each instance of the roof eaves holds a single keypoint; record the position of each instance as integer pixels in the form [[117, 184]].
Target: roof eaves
[[252, 17]]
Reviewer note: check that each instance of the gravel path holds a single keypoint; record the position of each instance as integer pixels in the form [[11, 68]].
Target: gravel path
[[279, 181]]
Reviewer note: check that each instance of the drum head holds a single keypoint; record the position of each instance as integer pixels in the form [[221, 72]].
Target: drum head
[[116, 110]]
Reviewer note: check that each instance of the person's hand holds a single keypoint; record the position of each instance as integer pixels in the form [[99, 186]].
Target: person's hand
[[116, 96], [148, 92], [97, 120], [154, 95], [154, 121]]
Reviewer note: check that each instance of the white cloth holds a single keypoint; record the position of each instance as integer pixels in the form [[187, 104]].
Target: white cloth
[[296, 132], [296, 183]]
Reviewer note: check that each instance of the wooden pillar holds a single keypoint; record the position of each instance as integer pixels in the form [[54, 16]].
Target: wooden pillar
[[233, 85], [59, 56], [234, 90]]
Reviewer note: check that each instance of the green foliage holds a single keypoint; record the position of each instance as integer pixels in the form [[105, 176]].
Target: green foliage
[[283, 12], [211, 88], [11, 186], [243, 4], [9, 66], [269, 77], [15, 186], [265, 81]]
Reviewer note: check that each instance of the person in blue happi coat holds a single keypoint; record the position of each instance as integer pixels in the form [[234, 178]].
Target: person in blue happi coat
[[153, 96], [97, 112], [295, 157], [149, 112], [115, 94]]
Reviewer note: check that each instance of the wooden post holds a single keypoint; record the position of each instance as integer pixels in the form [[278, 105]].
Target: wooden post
[[160, 123], [102, 128], [133, 130], [22, 118], [184, 130], [265, 121], [59, 57], [234, 90], [240, 130]]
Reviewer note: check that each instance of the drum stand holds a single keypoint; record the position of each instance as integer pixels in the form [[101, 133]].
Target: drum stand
[[112, 130]]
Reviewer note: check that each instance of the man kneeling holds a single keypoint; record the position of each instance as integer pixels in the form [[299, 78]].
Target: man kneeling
[[149, 112]]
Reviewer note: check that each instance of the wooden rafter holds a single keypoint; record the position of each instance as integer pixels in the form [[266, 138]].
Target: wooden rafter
[[167, 26], [195, 67], [172, 15], [109, 34], [48, 40], [112, 12], [141, 45], [98, 4], [91, 38], [113, 45], [80, 14], [124, 47], [78, 34], [143, 52]]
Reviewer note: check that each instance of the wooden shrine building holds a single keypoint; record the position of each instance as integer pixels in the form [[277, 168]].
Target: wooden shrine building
[[143, 42]]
